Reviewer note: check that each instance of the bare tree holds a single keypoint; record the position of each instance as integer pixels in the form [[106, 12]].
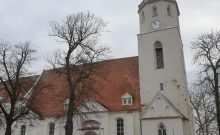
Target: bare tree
[[207, 55], [14, 62], [204, 110], [80, 34]]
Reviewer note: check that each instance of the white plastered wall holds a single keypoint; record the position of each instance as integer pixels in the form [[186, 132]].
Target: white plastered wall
[[106, 119], [173, 126], [166, 21]]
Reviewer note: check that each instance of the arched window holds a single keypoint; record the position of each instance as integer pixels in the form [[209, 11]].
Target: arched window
[[161, 87], [161, 129], [142, 17], [154, 10], [120, 126], [90, 125], [51, 128], [169, 10], [23, 129], [159, 55]]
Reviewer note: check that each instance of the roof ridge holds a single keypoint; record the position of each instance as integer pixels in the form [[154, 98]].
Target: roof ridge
[[107, 60]]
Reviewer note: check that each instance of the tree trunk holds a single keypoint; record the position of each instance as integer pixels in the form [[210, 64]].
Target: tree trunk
[[217, 103], [217, 111], [8, 130], [206, 129], [69, 120], [203, 131], [69, 126]]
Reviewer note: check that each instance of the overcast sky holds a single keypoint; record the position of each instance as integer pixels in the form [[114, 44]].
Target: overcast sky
[[22, 20]]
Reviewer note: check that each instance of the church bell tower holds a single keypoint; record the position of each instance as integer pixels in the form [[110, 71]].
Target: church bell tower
[[165, 104]]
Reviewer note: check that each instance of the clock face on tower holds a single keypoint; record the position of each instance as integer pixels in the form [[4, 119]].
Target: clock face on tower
[[155, 24]]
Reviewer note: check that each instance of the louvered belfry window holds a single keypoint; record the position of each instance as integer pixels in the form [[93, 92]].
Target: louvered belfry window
[[169, 10], [154, 10], [159, 55]]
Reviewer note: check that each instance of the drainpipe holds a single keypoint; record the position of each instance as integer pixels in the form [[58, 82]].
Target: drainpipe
[[140, 120]]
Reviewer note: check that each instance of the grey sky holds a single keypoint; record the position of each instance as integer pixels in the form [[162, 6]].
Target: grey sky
[[29, 20]]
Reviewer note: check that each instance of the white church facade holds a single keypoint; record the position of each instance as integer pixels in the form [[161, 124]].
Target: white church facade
[[143, 95]]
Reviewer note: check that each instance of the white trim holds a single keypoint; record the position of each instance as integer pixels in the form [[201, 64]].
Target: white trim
[[127, 99], [159, 95], [29, 93]]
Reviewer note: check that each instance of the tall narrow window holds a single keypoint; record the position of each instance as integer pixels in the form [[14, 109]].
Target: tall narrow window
[[23, 129], [142, 17], [154, 10], [162, 129], [120, 126], [169, 10], [161, 86], [218, 71], [159, 55], [51, 128]]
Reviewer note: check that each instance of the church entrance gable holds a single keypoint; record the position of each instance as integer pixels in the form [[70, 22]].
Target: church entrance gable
[[91, 106], [160, 107]]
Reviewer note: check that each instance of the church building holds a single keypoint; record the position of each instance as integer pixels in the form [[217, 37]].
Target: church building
[[142, 95]]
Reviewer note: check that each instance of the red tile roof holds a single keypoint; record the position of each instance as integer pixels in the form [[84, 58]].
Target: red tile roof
[[116, 77], [25, 85]]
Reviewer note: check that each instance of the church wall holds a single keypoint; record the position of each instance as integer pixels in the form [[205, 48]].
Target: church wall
[[106, 119], [172, 126], [131, 121]]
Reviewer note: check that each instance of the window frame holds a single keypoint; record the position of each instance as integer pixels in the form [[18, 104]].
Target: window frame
[[162, 129], [159, 55], [51, 128], [127, 99], [161, 86], [154, 11], [120, 126], [23, 130], [142, 17], [169, 10]]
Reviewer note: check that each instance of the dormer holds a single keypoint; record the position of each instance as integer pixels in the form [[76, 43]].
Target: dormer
[[127, 99]]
